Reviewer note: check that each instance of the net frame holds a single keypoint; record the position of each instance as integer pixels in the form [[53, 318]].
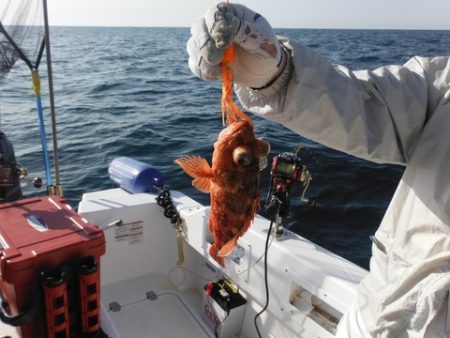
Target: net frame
[[22, 34]]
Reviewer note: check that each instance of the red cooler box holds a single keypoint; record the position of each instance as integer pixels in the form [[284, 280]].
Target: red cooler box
[[47, 250]]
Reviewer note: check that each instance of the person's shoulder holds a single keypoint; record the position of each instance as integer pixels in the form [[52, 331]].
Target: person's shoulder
[[435, 69], [430, 63]]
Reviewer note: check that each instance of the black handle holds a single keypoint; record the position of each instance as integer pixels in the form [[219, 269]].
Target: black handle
[[21, 318]]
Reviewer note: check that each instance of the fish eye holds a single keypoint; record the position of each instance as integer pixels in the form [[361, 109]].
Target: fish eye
[[242, 156]]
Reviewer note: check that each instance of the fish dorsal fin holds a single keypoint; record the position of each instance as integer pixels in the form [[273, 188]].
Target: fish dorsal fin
[[198, 168], [228, 247]]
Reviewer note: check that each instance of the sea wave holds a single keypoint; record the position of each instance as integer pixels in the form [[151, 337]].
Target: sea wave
[[129, 91]]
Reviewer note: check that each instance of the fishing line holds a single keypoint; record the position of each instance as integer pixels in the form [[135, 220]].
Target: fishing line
[[266, 281], [232, 277], [183, 269]]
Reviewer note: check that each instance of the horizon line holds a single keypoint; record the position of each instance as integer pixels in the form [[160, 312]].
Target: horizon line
[[305, 28]]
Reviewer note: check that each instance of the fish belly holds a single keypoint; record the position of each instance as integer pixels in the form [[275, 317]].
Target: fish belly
[[231, 215]]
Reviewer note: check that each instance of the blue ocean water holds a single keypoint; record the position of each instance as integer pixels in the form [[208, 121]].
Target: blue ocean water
[[129, 92]]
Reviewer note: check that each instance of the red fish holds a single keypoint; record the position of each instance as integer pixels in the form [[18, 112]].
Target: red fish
[[232, 183], [232, 180]]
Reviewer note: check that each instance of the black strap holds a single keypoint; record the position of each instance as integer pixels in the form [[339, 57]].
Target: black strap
[[23, 317]]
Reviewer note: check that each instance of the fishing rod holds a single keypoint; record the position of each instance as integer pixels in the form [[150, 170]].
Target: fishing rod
[[36, 81], [287, 168], [37, 92], [58, 185]]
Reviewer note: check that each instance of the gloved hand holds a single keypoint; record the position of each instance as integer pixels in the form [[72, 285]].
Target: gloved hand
[[259, 58]]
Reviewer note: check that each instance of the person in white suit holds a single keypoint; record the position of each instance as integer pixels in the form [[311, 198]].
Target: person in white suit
[[397, 114]]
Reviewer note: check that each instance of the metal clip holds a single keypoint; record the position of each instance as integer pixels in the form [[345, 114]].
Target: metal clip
[[180, 239], [116, 223]]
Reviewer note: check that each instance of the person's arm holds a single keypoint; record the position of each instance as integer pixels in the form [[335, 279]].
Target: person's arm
[[376, 115]]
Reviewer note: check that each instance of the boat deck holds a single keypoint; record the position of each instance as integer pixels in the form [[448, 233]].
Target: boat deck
[[151, 306]]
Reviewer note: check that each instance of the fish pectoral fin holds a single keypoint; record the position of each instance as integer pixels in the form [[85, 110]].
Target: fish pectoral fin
[[228, 247], [198, 168], [202, 184], [195, 166]]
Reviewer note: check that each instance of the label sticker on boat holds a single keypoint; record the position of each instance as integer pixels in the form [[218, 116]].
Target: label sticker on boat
[[132, 232]]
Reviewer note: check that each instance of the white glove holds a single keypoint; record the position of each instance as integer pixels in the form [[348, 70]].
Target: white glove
[[259, 58]]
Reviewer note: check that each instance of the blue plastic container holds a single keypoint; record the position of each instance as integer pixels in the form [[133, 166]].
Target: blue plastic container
[[135, 176]]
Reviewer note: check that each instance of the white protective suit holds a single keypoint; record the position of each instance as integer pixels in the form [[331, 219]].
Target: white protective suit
[[395, 114]]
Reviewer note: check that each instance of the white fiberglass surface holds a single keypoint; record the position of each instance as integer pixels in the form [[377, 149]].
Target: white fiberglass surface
[[148, 306]]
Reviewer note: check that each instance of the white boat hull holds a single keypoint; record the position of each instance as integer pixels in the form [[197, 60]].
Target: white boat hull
[[146, 294]]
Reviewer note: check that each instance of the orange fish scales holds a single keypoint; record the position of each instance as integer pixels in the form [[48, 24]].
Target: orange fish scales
[[232, 184]]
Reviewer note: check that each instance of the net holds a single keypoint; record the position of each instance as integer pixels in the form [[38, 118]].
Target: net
[[21, 34], [24, 35]]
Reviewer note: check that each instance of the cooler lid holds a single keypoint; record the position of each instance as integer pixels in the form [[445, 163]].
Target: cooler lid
[[35, 225]]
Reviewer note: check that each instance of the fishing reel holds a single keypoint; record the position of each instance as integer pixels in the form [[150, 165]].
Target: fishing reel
[[10, 174], [12, 177], [287, 169]]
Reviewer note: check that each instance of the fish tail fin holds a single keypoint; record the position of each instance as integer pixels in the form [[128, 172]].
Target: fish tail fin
[[213, 253], [228, 247], [198, 168]]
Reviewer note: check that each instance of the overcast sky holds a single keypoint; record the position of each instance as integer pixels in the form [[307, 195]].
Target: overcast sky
[[395, 14]]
